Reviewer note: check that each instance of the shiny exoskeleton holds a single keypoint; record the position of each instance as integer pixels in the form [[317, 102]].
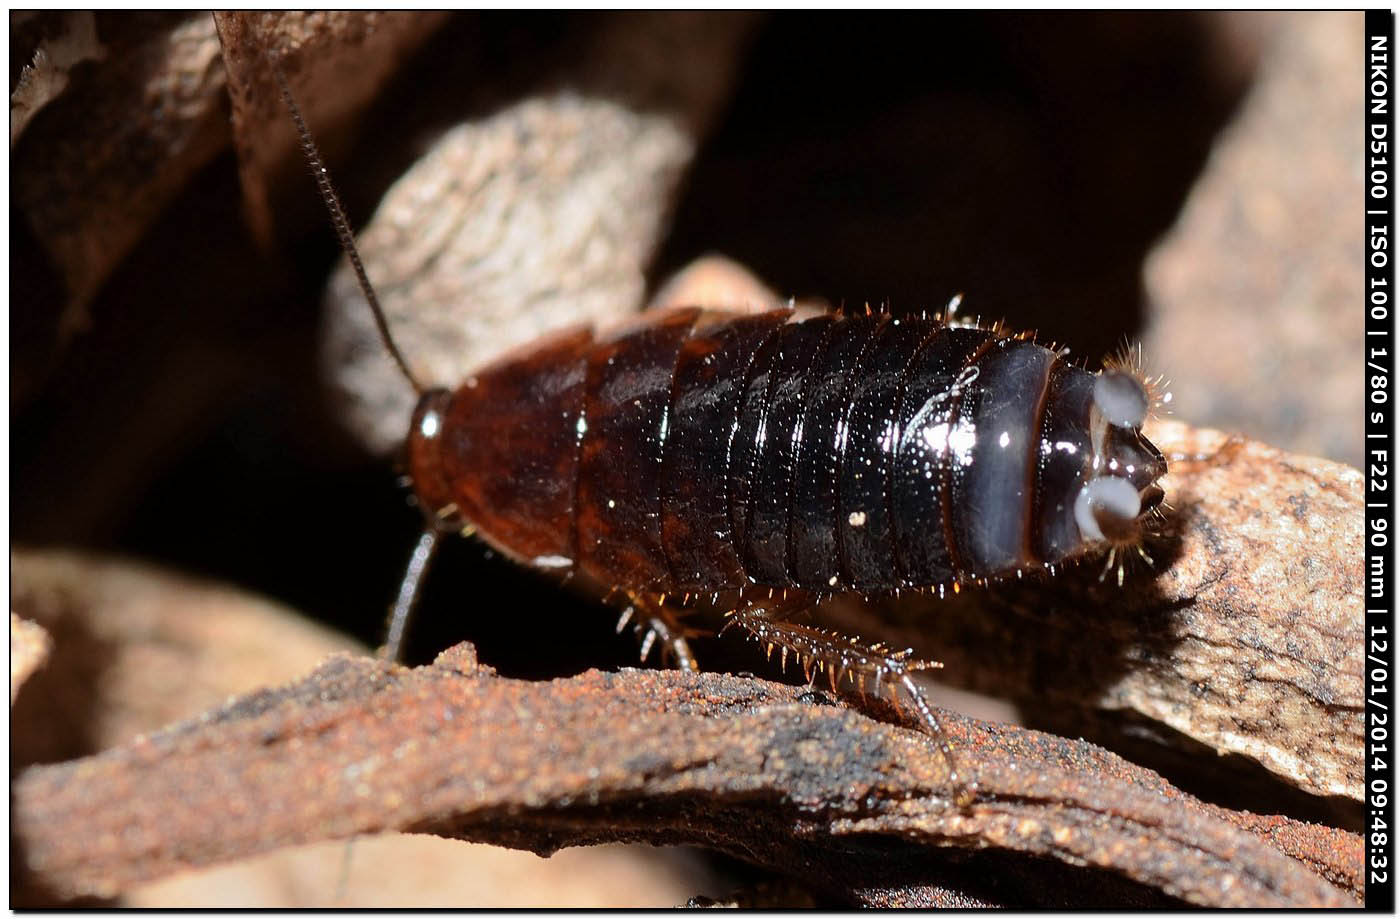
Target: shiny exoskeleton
[[703, 452]]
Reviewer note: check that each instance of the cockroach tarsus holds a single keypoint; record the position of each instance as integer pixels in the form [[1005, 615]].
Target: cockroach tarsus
[[759, 464]]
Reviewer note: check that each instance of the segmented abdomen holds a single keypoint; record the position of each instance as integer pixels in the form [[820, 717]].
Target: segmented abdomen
[[702, 452]]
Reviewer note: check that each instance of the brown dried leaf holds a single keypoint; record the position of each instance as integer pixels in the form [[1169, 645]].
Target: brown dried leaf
[[1252, 290], [335, 62], [714, 282], [29, 648], [135, 648], [850, 807], [45, 77], [102, 160], [118, 138]]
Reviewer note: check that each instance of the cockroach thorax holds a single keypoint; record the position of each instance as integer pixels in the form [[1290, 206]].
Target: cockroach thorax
[[423, 455]]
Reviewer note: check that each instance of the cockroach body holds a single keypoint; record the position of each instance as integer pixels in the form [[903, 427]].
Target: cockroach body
[[768, 463], [700, 452]]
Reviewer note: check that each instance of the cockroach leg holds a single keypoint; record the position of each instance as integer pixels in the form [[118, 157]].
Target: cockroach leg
[[409, 589], [656, 623], [843, 656]]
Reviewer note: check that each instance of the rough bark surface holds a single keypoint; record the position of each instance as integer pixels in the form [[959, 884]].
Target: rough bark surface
[[137, 648], [771, 773]]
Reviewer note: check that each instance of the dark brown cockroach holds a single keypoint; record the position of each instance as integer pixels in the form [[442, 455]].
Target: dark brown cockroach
[[763, 464]]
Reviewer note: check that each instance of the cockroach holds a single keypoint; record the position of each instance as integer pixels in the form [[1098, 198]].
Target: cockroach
[[761, 463]]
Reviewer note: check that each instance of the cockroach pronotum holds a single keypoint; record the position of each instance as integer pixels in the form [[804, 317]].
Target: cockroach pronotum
[[759, 464]]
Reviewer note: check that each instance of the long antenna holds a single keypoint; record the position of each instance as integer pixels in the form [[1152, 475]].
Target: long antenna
[[342, 226]]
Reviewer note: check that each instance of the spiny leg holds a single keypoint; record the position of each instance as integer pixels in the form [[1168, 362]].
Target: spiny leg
[[409, 589], [655, 622], [843, 656]]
